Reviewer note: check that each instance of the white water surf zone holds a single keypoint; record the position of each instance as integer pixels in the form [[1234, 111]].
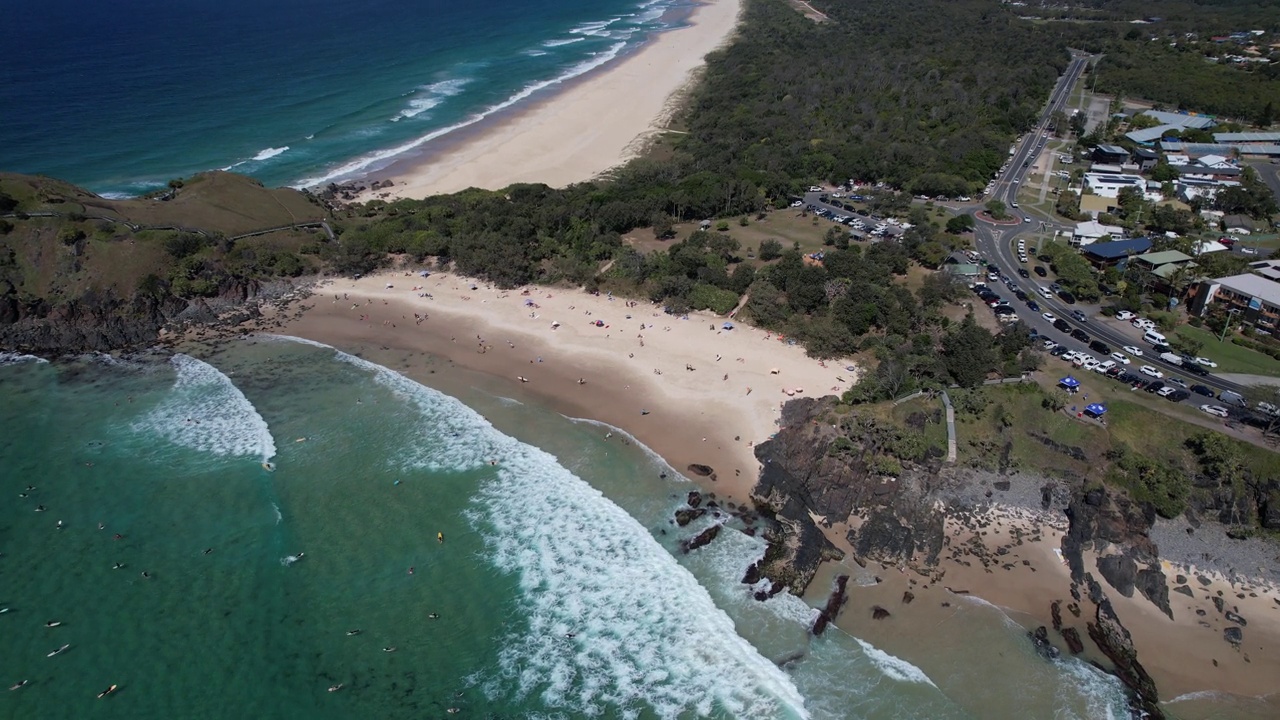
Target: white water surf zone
[[205, 411], [647, 639]]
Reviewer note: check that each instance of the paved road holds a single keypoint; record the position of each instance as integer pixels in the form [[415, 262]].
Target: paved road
[[996, 245]]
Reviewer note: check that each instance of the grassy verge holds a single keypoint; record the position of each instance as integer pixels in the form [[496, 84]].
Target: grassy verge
[[1230, 357]]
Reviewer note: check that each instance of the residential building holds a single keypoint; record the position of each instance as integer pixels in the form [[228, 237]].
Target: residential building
[[1145, 159], [1110, 154], [1256, 299], [1090, 231], [1115, 253], [1109, 185], [1169, 123], [1161, 269]]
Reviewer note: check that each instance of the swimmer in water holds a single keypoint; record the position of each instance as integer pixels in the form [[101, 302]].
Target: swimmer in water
[[107, 692], [146, 574], [117, 566], [208, 550], [353, 632], [335, 688], [39, 508], [434, 616], [53, 623], [19, 684], [388, 649], [410, 570]]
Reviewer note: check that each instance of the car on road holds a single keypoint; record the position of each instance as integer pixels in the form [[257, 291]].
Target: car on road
[[1079, 316], [1205, 362], [1150, 371], [1050, 317], [1080, 335], [1020, 295], [1035, 306], [1022, 272], [1133, 350], [1062, 325], [1026, 220], [1054, 287], [797, 203], [1124, 315], [1039, 270], [1178, 381], [1203, 390], [1195, 369], [1166, 391], [1044, 293], [1058, 351], [1067, 297], [814, 188], [1216, 410], [1049, 344], [1178, 396], [1120, 358], [1154, 387], [992, 277], [1100, 347]]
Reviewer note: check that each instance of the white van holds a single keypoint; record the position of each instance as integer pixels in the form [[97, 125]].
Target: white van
[[1154, 338]]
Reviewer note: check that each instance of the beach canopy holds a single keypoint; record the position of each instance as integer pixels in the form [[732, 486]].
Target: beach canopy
[[1095, 409], [1069, 382], [727, 326]]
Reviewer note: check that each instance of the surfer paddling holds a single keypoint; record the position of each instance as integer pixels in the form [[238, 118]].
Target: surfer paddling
[[19, 685], [109, 691], [59, 651]]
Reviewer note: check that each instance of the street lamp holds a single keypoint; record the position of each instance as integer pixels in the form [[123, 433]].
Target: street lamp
[[1227, 324]]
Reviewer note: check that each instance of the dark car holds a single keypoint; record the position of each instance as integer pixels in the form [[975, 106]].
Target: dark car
[[1080, 335], [1203, 390], [1023, 272], [1157, 385], [1195, 369], [1062, 325], [1178, 396], [1020, 295], [1035, 306], [1115, 372], [1044, 258], [992, 268], [1039, 270], [1067, 297], [979, 287], [1004, 310], [1161, 348], [1100, 347], [1058, 350]]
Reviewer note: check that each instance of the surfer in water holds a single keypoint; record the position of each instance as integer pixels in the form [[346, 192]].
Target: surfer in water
[[434, 616], [388, 649], [108, 691], [59, 651], [354, 632], [439, 537], [335, 688], [18, 685], [53, 623]]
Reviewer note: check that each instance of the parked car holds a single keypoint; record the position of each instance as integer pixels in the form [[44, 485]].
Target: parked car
[[1062, 325], [1055, 287], [1079, 316], [1154, 386], [1120, 358], [1124, 315], [1203, 390], [1178, 395], [1217, 410], [1038, 270], [1233, 398], [1150, 371], [1133, 350], [1080, 335], [1033, 305], [1166, 391], [1104, 366], [1023, 272], [1178, 381], [1067, 297], [1050, 317], [1049, 345], [1060, 350], [1100, 347]]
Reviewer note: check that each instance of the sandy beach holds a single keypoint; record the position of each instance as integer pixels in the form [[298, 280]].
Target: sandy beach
[[575, 135], [691, 390]]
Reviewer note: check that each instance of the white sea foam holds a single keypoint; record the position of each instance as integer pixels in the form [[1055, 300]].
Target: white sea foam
[[117, 195], [10, 358], [269, 153], [564, 41], [365, 162], [647, 638], [534, 53], [1104, 695], [430, 96], [894, 667], [206, 411]]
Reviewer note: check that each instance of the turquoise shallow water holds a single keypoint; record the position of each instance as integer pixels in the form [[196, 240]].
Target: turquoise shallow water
[[559, 588]]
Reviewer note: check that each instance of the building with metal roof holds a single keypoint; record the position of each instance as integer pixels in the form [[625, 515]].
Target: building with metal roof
[[1180, 120], [1198, 149], [1247, 137]]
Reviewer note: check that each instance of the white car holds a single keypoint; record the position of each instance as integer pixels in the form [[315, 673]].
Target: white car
[[797, 203], [1049, 316], [1125, 315], [1143, 324], [1049, 344], [814, 188], [1070, 356], [1104, 366], [1090, 364], [1206, 362], [1133, 350], [1148, 370], [1166, 391], [1044, 293], [992, 277], [1217, 410], [1120, 358]]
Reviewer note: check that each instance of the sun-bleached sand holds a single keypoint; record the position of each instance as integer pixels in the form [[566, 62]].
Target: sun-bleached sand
[[686, 387], [594, 125]]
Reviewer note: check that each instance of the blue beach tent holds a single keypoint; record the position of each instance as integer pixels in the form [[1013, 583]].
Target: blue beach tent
[[1069, 383], [1095, 409]]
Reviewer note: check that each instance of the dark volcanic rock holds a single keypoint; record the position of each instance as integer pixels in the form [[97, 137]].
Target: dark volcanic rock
[[836, 601], [1040, 639], [695, 498], [1107, 522], [1115, 642], [702, 538], [1120, 571], [879, 613], [1233, 635], [907, 597], [701, 470], [684, 516], [1185, 590], [1072, 638], [1235, 618]]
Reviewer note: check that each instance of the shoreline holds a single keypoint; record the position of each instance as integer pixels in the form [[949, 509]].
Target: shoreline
[[694, 417], [636, 380], [592, 124]]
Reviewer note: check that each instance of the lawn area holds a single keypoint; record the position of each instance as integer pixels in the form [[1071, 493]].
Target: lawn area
[[1231, 358]]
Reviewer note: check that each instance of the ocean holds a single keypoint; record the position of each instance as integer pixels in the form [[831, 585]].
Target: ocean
[[272, 528], [123, 97]]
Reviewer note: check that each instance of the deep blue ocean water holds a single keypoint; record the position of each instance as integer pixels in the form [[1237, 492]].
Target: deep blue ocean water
[[121, 97]]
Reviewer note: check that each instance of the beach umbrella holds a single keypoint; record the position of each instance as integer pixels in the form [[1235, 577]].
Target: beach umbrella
[[1095, 409], [1069, 382]]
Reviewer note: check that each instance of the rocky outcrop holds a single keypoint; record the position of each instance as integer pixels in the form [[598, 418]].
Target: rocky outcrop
[[836, 601], [1115, 642], [699, 540], [1116, 528]]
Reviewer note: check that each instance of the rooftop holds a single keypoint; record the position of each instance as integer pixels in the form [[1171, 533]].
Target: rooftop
[[1118, 248], [1147, 135], [1219, 148], [1247, 137], [1113, 150], [1180, 120], [1251, 285], [1164, 258]]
